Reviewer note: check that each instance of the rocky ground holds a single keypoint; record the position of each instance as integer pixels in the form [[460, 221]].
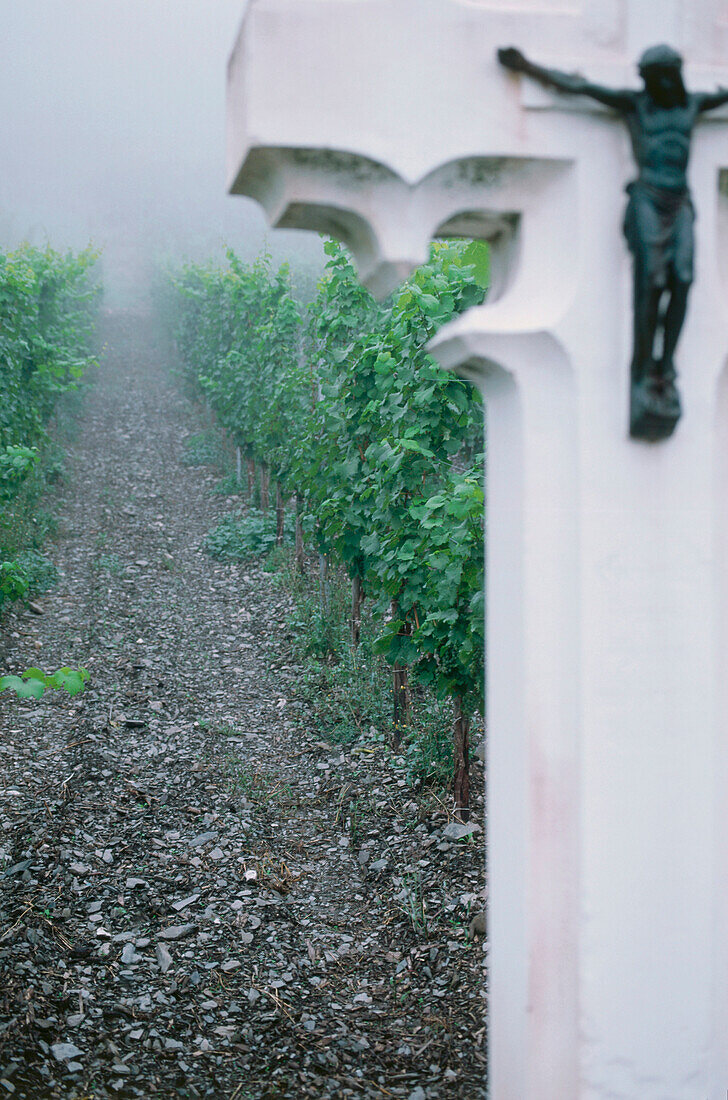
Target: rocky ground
[[199, 897]]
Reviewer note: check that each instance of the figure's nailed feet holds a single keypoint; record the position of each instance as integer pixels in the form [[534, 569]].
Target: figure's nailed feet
[[655, 408], [661, 391], [670, 399], [667, 371]]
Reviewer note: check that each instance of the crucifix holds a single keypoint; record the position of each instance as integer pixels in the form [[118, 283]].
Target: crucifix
[[658, 224], [386, 123]]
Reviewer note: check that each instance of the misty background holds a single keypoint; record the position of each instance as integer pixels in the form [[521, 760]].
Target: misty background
[[112, 127]]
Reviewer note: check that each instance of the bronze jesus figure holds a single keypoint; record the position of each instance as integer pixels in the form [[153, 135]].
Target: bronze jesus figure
[[658, 223]]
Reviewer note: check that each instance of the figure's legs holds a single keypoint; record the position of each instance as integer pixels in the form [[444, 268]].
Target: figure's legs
[[642, 230], [646, 315], [681, 277], [674, 319], [654, 401]]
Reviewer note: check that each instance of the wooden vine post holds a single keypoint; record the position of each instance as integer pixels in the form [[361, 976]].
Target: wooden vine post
[[357, 598], [300, 557], [264, 487], [280, 515], [461, 754]]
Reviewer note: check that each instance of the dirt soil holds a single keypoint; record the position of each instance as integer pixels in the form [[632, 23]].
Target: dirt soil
[[200, 897]]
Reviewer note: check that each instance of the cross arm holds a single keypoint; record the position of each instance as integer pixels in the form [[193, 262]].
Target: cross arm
[[621, 99], [708, 101]]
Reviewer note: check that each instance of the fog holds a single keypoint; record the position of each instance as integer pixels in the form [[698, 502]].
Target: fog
[[112, 131]]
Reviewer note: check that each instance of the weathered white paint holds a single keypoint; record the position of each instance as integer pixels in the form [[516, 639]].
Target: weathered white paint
[[386, 122]]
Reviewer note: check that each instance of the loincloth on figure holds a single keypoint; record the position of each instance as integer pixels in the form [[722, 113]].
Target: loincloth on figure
[[658, 227]]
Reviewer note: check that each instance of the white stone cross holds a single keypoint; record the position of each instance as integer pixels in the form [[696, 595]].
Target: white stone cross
[[389, 122]]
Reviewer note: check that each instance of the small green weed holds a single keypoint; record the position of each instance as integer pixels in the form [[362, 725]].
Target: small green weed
[[23, 524], [29, 574], [109, 563], [322, 630], [229, 486], [412, 903], [241, 778], [205, 449], [349, 813], [277, 560], [252, 783], [348, 694], [242, 536], [428, 749], [347, 699], [41, 572], [33, 683], [13, 582]]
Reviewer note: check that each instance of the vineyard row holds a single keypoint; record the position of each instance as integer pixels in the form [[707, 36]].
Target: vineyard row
[[376, 447], [48, 305]]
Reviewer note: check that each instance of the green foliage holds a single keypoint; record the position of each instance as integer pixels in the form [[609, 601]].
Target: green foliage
[[321, 628], [346, 690], [27, 575], [204, 449], [446, 544], [33, 683], [47, 313], [379, 444], [429, 754], [242, 536], [109, 563], [238, 339], [13, 582], [15, 465], [40, 572], [25, 519], [229, 486], [399, 430]]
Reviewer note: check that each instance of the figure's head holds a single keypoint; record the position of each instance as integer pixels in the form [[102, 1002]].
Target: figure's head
[[661, 69]]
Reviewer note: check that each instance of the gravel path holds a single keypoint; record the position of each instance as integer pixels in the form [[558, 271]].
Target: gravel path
[[198, 896]]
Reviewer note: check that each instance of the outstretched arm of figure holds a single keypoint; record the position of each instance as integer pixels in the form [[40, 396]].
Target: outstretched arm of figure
[[708, 101], [572, 83]]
